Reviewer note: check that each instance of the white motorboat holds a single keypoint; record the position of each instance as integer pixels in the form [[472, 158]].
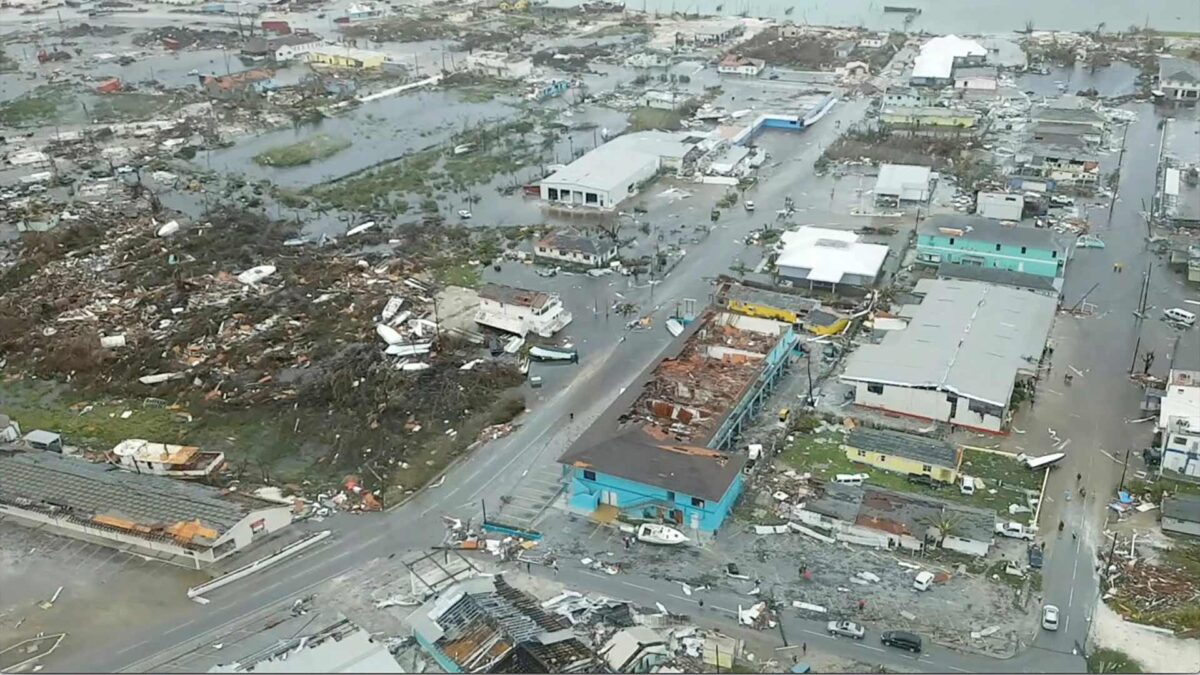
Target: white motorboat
[[652, 533]]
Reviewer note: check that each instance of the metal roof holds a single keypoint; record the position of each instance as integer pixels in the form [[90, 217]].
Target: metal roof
[[967, 337], [1175, 69], [511, 295], [610, 165], [1182, 506], [1071, 116], [1186, 352], [637, 456], [774, 299], [998, 276], [978, 228], [894, 178], [83, 489], [340, 648], [936, 58], [919, 448], [829, 255]]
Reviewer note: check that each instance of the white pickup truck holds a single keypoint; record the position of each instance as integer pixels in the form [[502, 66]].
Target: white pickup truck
[[1015, 530]]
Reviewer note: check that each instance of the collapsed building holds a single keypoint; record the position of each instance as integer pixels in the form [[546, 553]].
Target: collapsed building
[[160, 517], [484, 625]]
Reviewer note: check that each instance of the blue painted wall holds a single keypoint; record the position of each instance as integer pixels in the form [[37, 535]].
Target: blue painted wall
[[1043, 262], [644, 501]]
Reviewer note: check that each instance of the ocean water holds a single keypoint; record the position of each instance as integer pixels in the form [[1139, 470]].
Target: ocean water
[[950, 16]]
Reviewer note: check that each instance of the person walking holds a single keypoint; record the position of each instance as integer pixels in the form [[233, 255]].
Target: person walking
[[804, 649]]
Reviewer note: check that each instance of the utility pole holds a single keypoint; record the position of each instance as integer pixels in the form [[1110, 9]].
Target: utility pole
[[1136, 346], [1113, 549]]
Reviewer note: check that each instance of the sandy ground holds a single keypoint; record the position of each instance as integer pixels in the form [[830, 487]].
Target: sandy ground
[[1158, 653], [103, 589]]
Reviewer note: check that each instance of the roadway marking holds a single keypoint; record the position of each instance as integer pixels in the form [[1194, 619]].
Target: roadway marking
[[1067, 623]]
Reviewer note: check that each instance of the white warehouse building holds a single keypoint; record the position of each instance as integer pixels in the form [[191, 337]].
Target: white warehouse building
[[612, 172]]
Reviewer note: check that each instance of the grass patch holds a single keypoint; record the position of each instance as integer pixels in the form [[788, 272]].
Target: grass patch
[[37, 107], [623, 28], [647, 119], [312, 149], [131, 106], [822, 455], [461, 274], [1112, 661]]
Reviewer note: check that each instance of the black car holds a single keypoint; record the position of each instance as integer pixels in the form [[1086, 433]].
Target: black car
[[923, 479], [1035, 557], [902, 639]]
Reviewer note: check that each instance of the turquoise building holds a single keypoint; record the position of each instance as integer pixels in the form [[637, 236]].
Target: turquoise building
[[671, 455], [983, 242], [640, 477]]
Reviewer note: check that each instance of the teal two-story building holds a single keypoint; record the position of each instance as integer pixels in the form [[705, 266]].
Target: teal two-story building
[[638, 476], [972, 240]]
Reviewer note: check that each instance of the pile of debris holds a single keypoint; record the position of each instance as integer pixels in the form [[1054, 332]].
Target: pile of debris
[[1145, 592], [238, 312]]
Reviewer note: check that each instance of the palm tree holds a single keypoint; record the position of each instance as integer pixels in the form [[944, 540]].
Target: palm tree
[[946, 524]]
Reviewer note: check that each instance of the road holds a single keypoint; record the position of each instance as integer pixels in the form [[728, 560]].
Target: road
[[1093, 411], [497, 468]]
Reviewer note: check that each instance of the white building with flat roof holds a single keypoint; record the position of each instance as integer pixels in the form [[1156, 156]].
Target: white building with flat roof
[[899, 183], [934, 65], [819, 257], [611, 173]]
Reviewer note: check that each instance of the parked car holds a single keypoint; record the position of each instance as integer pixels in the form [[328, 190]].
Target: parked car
[[923, 580], [1050, 617], [846, 629], [1014, 530], [901, 639], [1035, 557], [923, 479], [1180, 316]]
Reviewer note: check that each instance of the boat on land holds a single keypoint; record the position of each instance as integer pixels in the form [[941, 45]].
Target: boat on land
[[653, 533]]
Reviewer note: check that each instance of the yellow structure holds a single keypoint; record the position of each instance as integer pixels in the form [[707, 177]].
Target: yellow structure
[[346, 57], [904, 453], [929, 117], [823, 321], [767, 304]]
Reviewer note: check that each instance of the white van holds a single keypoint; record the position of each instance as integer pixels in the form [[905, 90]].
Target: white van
[[1178, 315], [968, 485], [855, 479], [923, 581]]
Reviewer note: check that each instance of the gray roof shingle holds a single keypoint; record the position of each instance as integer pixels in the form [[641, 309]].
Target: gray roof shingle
[[925, 450], [84, 489], [978, 228], [997, 276], [635, 455], [1182, 507]]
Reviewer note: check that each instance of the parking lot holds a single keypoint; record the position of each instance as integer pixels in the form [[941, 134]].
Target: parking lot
[[101, 587]]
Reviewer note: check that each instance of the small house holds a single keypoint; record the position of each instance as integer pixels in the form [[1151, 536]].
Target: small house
[[736, 64], [575, 249], [1181, 514], [903, 453]]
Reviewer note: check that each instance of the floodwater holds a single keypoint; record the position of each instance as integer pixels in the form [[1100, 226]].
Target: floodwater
[[1118, 79], [379, 131], [940, 16]]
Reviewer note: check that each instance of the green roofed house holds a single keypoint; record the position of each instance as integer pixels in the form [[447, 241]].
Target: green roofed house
[[972, 240]]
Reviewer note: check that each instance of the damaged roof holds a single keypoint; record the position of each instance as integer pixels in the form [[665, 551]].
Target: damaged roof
[[511, 295], [690, 394], [998, 276], [636, 455], [798, 304], [565, 241], [919, 448], [69, 486], [485, 625], [901, 512]]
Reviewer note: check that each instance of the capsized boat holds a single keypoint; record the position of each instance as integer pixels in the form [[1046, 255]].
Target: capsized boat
[[653, 533]]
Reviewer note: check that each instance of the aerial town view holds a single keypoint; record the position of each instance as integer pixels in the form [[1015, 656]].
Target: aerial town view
[[561, 336]]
